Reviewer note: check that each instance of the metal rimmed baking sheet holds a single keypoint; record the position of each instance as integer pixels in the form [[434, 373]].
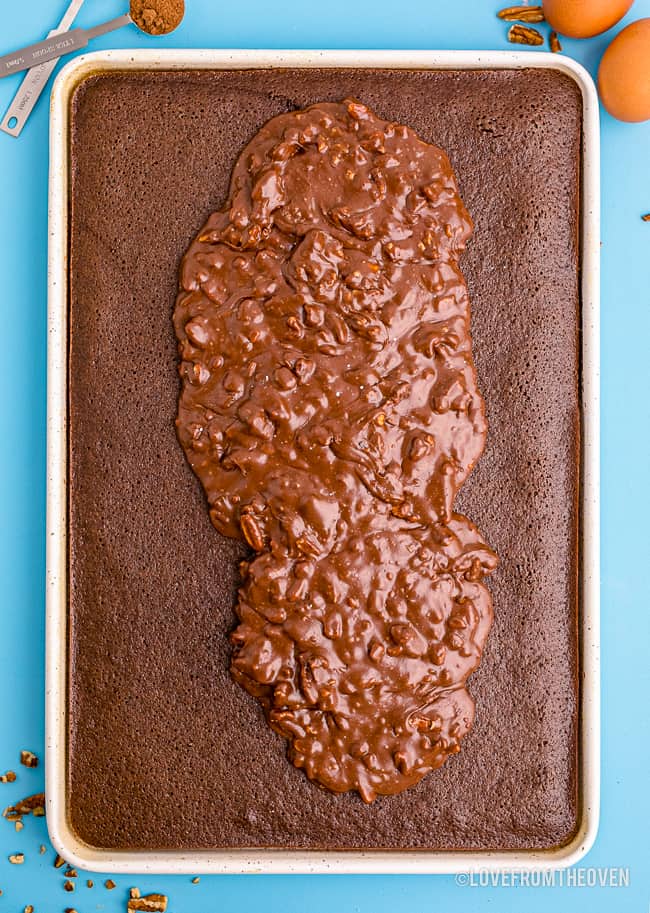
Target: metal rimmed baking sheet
[[299, 860]]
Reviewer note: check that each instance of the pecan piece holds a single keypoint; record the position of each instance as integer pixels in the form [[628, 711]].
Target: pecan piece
[[34, 804], [252, 532], [150, 903], [554, 42], [522, 34], [522, 14]]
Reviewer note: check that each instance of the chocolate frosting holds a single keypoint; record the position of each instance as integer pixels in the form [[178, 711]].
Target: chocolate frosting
[[330, 408]]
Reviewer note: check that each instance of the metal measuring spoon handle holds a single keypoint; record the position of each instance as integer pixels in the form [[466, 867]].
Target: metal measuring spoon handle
[[35, 80], [30, 90], [56, 46]]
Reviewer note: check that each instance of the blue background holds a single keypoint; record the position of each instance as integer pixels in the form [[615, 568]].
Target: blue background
[[624, 833]]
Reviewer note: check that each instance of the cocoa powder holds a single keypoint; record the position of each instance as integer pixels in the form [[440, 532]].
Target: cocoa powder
[[157, 17]]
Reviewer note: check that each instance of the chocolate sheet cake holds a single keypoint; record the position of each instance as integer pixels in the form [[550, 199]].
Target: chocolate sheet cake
[[165, 750]]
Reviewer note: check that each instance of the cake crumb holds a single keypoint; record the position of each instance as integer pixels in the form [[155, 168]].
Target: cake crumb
[[9, 777], [17, 858], [109, 884], [28, 759], [19, 824], [150, 903]]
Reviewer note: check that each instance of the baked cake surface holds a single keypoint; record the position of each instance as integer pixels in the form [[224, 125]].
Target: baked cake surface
[[165, 751]]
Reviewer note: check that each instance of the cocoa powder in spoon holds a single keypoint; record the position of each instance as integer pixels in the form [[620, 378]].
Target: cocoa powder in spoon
[[157, 17]]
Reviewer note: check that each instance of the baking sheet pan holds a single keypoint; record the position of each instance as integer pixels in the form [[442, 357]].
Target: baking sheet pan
[[421, 861]]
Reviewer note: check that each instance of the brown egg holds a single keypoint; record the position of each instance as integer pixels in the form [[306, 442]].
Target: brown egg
[[584, 18], [624, 73]]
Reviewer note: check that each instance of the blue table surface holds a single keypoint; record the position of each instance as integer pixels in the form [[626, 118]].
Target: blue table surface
[[624, 833]]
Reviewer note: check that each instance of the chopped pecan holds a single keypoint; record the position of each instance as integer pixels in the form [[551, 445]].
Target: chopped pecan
[[252, 532], [522, 14], [32, 804], [522, 34], [150, 903]]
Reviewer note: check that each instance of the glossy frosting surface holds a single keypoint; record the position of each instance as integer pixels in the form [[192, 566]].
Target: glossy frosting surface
[[330, 409]]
